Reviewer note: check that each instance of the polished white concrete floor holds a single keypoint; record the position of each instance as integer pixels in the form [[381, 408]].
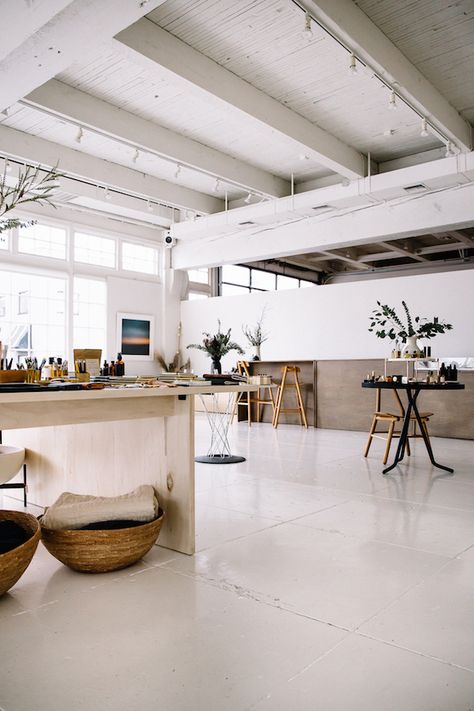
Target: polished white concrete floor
[[318, 584]]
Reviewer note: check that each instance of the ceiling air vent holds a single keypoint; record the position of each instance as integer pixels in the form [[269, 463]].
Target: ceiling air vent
[[247, 222], [321, 208], [417, 188]]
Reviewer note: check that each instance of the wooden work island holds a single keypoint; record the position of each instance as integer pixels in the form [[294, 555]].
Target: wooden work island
[[334, 399], [107, 442]]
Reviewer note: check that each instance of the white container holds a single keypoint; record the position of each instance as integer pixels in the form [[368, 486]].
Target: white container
[[11, 461]]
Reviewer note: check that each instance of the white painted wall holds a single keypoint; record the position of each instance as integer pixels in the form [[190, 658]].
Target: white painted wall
[[133, 296], [331, 322]]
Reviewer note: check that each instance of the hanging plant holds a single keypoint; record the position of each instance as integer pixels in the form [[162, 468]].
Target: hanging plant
[[32, 185]]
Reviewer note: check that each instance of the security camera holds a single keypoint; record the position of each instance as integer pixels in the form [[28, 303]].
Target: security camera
[[169, 240]]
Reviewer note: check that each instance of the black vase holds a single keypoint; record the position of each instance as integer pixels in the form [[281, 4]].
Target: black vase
[[216, 365]]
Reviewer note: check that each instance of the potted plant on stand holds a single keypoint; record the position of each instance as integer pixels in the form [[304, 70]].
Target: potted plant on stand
[[216, 346], [387, 324], [256, 336]]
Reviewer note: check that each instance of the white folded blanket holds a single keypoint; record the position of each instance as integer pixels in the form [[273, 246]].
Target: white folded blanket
[[74, 510]]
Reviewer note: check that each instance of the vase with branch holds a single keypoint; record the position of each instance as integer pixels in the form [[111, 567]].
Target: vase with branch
[[177, 365], [255, 335], [33, 185], [386, 323], [217, 345]]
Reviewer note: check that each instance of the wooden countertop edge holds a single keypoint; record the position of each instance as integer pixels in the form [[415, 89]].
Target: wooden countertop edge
[[120, 393]]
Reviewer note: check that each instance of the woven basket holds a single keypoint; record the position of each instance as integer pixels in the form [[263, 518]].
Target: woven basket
[[14, 563], [101, 551]]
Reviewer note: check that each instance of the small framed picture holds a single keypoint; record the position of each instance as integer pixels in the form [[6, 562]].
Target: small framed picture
[[135, 336]]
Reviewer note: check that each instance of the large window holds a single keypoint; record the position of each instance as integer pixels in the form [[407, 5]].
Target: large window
[[89, 313], [33, 315], [53, 288], [237, 279], [139, 258], [92, 249], [43, 240]]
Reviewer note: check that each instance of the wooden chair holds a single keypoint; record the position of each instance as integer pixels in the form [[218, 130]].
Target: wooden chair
[[391, 419], [243, 399], [285, 383]]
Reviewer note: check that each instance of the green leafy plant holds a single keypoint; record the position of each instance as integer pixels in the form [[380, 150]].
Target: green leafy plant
[[387, 324], [32, 185], [217, 345], [255, 335]]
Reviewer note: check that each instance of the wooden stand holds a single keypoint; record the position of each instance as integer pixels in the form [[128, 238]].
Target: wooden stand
[[289, 370]]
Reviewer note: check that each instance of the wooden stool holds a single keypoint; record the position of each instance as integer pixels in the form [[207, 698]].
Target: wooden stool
[[262, 401], [289, 370], [243, 399], [392, 419]]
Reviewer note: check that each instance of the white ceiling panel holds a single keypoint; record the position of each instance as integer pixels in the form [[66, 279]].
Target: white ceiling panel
[[262, 42], [124, 84], [437, 37]]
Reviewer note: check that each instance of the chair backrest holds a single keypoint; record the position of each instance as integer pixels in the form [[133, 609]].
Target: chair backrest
[[378, 401], [243, 368]]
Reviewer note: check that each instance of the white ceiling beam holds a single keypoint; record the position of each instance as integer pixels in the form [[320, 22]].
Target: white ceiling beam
[[150, 45], [404, 251], [22, 19], [460, 237], [367, 41], [450, 209], [82, 26], [21, 146], [62, 100], [85, 218], [344, 258]]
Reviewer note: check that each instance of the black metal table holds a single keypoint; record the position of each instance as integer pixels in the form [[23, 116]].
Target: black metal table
[[413, 390]]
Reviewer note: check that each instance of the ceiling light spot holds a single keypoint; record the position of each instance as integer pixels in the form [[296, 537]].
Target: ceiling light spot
[[392, 102], [424, 128], [80, 135], [353, 65], [307, 31]]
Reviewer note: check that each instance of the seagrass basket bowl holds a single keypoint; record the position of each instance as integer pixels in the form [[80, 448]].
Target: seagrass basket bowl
[[101, 551], [14, 563]]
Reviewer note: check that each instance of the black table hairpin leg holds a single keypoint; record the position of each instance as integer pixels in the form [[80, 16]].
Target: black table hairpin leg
[[402, 442], [412, 400]]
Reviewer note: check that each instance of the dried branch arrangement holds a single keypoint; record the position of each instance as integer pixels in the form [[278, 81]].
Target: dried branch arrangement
[[32, 185]]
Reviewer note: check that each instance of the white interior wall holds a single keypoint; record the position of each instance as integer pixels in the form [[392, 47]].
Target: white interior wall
[[134, 296], [331, 322]]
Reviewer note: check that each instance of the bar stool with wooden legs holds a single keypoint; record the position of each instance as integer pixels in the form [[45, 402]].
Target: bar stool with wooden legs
[[391, 419], [285, 383], [243, 399], [260, 400]]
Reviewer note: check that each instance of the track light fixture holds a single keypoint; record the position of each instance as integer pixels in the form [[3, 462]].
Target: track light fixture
[[353, 65], [8, 168], [217, 186], [80, 134], [392, 103], [449, 150], [149, 206], [424, 128], [248, 198], [107, 194], [136, 155], [177, 171], [307, 32]]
